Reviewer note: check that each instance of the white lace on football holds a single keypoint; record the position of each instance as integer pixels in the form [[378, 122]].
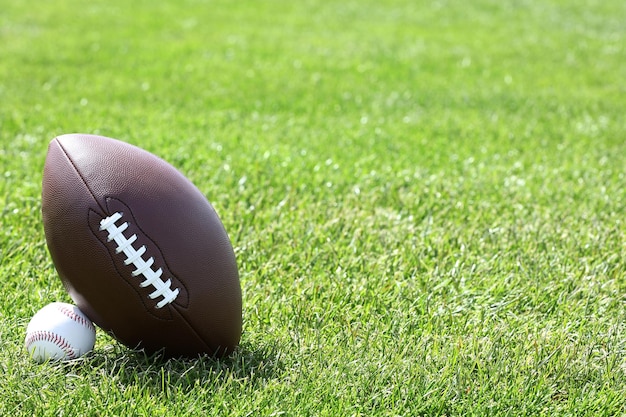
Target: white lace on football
[[135, 257]]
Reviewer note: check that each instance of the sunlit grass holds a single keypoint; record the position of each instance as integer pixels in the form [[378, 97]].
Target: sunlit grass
[[426, 199]]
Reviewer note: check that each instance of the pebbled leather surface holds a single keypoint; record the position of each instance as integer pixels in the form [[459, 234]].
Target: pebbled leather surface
[[87, 178]]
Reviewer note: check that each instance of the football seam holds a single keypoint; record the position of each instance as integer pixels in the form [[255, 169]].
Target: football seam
[[93, 196], [194, 330]]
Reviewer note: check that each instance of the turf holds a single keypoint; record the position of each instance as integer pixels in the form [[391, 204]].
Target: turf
[[426, 199]]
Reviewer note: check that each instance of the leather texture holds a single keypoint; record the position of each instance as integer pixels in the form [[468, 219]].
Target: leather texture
[[88, 178]]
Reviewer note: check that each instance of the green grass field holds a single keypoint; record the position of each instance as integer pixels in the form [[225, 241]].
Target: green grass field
[[427, 199]]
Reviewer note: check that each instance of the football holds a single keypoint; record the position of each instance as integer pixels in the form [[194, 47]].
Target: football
[[139, 248]]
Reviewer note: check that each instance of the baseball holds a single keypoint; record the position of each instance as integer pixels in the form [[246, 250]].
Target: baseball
[[59, 332]]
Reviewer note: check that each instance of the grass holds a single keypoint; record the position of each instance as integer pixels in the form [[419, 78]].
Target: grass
[[426, 199]]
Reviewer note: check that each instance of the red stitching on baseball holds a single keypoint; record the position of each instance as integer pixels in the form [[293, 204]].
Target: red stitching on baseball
[[52, 338], [76, 317]]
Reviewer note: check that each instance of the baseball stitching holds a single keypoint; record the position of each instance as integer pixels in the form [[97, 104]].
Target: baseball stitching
[[135, 257], [76, 317], [44, 336]]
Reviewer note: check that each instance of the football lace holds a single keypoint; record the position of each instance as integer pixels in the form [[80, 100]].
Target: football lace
[[135, 257]]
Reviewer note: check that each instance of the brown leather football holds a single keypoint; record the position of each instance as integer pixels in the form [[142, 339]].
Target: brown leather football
[[139, 248]]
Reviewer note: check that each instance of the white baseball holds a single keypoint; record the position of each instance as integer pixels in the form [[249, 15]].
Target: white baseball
[[59, 332]]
